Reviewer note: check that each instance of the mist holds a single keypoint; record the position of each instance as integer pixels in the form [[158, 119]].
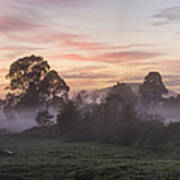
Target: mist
[[25, 118]]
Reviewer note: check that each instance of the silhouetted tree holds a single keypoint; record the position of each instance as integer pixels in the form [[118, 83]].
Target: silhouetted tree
[[68, 118], [9, 105], [120, 93], [36, 83], [153, 88], [52, 85]]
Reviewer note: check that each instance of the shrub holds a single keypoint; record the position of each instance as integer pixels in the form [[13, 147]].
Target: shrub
[[152, 134]]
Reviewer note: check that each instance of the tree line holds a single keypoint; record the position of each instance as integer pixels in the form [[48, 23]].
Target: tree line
[[122, 117]]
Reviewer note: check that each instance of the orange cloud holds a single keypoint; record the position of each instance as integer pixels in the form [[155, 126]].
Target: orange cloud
[[3, 70]]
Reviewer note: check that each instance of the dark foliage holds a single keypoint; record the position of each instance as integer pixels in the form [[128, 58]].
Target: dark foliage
[[117, 120], [34, 81], [153, 88], [67, 117], [44, 118]]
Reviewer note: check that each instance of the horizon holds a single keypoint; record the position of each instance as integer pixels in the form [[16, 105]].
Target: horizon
[[94, 44]]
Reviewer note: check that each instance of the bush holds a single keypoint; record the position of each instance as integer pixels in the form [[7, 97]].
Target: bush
[[152, 134], [67, 118], [173, 129], [119, 125]]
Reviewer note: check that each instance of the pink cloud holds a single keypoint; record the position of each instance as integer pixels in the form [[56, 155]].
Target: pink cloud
[[85, 69], [75, 57], [84, 45], [35, 32], [3, 70], [14, 24], [89, 72], [116, 57], [62, 2], [15, 48], [112, 57]]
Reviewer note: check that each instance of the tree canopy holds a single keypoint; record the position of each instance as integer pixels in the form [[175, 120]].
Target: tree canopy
[[153, 87], [33, 78], [120, 93]]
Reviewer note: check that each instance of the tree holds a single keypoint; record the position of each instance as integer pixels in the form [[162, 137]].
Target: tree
[[27, 71], [44, 118], [68, 117], [120, 93], [10, 105], [52, 85], [152, 88], [34, 80]]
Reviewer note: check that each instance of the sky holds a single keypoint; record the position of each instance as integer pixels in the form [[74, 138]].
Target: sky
[[94, 43]]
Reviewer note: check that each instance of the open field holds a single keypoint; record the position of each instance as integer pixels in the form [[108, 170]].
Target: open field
[[46, 159]]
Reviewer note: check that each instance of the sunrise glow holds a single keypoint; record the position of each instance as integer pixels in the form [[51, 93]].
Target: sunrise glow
[[93, 44]]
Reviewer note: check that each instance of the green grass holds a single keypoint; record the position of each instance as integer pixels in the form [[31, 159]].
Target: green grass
[[46, 159]]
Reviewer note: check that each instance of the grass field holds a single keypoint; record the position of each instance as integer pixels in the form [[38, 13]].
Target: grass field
[[47, 159]]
